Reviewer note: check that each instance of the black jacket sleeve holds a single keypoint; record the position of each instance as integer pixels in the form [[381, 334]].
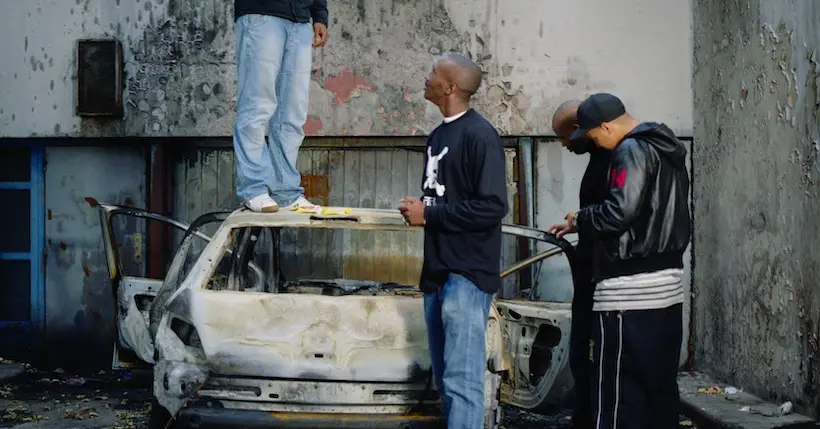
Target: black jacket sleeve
[[630, 166], [318, 11], [488, 204]]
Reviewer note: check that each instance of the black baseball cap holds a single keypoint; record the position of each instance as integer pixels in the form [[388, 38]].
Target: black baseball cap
[[596, 110]]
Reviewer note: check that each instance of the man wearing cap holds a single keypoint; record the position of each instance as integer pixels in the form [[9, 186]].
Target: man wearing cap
[[592, 191], [641, 231]]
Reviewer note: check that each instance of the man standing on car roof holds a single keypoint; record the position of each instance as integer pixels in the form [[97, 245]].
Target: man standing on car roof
[[641, 229], [593, 190], [464, 200], [274, 53]]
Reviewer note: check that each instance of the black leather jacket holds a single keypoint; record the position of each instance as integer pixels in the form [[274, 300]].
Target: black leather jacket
[[643, 224]]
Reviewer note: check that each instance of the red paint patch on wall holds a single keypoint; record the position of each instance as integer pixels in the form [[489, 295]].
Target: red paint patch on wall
[[344, 84], [313, 125]]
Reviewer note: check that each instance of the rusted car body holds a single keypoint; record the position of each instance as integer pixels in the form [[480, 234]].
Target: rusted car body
[[233, 341]]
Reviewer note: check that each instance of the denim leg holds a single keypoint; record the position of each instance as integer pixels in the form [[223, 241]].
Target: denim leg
[[260, 45], [464, 312], [435, 338], [286, 133]]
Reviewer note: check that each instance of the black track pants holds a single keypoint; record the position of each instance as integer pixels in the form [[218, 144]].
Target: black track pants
[[635, 358]]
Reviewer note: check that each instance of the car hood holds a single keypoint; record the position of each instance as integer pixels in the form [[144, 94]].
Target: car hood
[[299, 336]]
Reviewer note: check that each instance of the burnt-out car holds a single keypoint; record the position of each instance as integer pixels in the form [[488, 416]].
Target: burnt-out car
[[315, 320]]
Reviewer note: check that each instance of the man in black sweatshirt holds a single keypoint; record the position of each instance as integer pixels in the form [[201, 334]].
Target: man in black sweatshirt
[[640, 232], [274, 54], [464, 200], [593, 190]]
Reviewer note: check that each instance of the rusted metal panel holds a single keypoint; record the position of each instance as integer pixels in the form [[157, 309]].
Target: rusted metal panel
[[372, 176]]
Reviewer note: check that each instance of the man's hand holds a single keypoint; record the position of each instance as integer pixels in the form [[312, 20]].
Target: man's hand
[[562, 229], [413, 211], [319, 35]]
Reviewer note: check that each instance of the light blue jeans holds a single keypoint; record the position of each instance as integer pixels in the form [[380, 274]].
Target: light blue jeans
[[456, 317], [273, 58]]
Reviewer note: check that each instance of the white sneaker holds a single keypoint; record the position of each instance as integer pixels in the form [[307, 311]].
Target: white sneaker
[[301, 203], [262, 203]]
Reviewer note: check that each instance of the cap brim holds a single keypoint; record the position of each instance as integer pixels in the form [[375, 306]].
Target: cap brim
[[578, 134]]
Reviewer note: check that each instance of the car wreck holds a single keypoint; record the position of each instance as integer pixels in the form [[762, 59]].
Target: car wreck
[[234, 339]]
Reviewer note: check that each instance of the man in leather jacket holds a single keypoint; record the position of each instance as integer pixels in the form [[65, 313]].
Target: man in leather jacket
[[640, 231], [593, 190], [274, 54]]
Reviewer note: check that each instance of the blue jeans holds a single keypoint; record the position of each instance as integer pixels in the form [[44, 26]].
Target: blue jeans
[[456, 317], [273, 59]]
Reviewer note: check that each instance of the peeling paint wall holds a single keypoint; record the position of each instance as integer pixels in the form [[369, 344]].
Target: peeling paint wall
[[79, 302], [756, 187], [368, 80]]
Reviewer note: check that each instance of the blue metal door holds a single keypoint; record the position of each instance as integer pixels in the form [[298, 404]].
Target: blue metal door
[[22, 226]]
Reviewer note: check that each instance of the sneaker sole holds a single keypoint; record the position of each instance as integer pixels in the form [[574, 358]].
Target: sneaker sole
[[268, 209]]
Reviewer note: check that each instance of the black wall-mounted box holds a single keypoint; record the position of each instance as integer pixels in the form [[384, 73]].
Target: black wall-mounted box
[[100, 81]]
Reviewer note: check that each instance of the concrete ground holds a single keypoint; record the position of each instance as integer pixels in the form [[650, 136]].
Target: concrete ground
[[57, 400]]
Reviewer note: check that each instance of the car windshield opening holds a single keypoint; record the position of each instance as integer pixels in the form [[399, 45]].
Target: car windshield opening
[[320, 260]]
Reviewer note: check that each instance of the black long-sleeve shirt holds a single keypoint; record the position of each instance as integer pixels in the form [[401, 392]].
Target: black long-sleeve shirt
[[593, 191], [465, 192], [292, 10]]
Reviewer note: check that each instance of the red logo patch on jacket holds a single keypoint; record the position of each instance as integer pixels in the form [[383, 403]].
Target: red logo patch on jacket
[[617, 178]]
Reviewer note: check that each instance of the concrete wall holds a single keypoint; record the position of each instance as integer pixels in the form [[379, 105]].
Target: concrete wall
[[368, 80], [756, 186]]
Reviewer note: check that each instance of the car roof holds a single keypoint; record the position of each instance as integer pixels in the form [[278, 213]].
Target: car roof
[[336, 217]]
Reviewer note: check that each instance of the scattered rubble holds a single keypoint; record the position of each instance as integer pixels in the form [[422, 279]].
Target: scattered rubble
[[57, 399]]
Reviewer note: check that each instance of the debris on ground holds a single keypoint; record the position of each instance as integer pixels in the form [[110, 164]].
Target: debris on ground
[[735, 408], [122, 400], [711, 390], [75, 381], [55, 399], [83, 413]]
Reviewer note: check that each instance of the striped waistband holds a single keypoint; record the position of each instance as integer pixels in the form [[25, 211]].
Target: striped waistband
[[658, 289]]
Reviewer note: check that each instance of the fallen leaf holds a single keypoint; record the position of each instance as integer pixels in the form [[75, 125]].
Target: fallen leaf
[[82, 414]]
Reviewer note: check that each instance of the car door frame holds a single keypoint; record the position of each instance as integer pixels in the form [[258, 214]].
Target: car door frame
[[523, 320], [134, 345]]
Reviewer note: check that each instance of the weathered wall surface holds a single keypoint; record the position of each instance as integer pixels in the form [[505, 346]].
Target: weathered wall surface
[[757, 180], [368, 80], [80, 308]]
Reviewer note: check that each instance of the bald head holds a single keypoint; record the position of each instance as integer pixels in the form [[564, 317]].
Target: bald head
[[565, 116], [564, 123], [464, 73]]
